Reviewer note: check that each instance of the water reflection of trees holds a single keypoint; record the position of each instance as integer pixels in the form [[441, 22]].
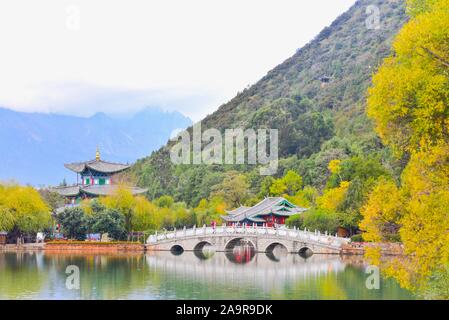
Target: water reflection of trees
[[422, 276], [20, 275], [42, 276], [104, 276], [319, 277], [163, 275]]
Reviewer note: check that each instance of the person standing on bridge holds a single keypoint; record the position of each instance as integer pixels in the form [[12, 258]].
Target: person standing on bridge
[[214, 225]]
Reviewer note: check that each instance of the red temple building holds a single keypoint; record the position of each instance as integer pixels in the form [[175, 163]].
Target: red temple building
[[270, 212]]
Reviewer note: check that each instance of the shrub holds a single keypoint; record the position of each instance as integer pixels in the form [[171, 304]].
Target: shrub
[[296, 221], [321, 219], [357, 238]]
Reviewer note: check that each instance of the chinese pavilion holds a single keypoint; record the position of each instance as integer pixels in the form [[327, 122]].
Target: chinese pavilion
[[94, 178], [270, 212]]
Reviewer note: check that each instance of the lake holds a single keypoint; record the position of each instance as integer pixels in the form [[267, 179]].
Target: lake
[[188, 275]]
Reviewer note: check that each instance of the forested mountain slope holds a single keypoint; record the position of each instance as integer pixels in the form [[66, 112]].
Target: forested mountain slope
[[316, 99]]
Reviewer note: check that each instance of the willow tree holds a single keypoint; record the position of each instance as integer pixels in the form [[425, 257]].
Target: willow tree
[[22, 209], [122, 200]]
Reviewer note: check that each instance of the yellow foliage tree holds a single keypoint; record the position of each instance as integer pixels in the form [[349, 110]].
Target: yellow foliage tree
[[145, 215], [421, 209], [208, 211], [409, 100], [6, 218], [425, 227], [382, 212], [122, 200], [334, 166], [305, 198], [289, 184], [332, 199], [23, 208]]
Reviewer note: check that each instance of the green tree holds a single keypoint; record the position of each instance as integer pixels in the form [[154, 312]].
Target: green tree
[[165, 202], [52, 199], [74, 223], [265, 186], [289, 184], [234, 189], [322, 220], [316, 219], [293, 182], [109, 221], [278, 188], [305, 198]]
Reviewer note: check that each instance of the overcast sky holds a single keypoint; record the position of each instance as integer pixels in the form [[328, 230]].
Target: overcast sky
[[85, 56]]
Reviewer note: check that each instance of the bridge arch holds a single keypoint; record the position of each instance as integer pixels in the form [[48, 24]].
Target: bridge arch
[[239, 241], [305, 252], [200, 245], [200, 252], [275, 245], [177, 250], [276, 251]]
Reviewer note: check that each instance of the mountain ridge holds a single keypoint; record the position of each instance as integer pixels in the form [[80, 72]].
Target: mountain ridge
[[49, 140], [316, 99]]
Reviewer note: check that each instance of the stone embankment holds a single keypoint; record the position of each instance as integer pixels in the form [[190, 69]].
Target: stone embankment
[[355, 248], [78, 247], [359, 248], [94, 247], [22, 247]]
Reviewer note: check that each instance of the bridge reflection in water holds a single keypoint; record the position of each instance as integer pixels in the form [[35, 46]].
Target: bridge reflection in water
[[205, 274], [270, 271]]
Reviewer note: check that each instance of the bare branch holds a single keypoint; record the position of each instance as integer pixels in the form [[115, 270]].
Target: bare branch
[[436, 56]]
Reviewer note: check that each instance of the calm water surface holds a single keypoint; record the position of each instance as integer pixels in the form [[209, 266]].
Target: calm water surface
[[189, 275]]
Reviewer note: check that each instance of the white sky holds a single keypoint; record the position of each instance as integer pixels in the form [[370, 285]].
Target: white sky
[[119, 56]]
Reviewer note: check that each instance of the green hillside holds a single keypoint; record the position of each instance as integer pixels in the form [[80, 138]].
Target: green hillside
[[316, 99]]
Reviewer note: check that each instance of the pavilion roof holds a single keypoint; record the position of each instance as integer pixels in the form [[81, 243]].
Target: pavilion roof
[[237, 211], [106, 190], [97, 165], [271, 205], [69, 191], [95, 190]]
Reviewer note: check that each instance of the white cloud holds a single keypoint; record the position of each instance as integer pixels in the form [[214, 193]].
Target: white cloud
[[190, 55]]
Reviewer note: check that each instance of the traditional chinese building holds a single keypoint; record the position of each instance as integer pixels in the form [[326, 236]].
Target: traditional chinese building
[[94, 178], [270, 212]]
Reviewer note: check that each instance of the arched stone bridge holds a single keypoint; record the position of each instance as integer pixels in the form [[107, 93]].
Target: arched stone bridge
[[222, 238]]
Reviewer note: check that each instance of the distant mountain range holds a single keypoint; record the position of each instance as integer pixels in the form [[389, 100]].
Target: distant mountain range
[[35, 146]]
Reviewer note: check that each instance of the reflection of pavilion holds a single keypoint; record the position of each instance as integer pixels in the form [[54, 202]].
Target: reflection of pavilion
[[261, 271]]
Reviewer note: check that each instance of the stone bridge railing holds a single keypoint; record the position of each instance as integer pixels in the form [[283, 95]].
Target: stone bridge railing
[[282, 233]]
